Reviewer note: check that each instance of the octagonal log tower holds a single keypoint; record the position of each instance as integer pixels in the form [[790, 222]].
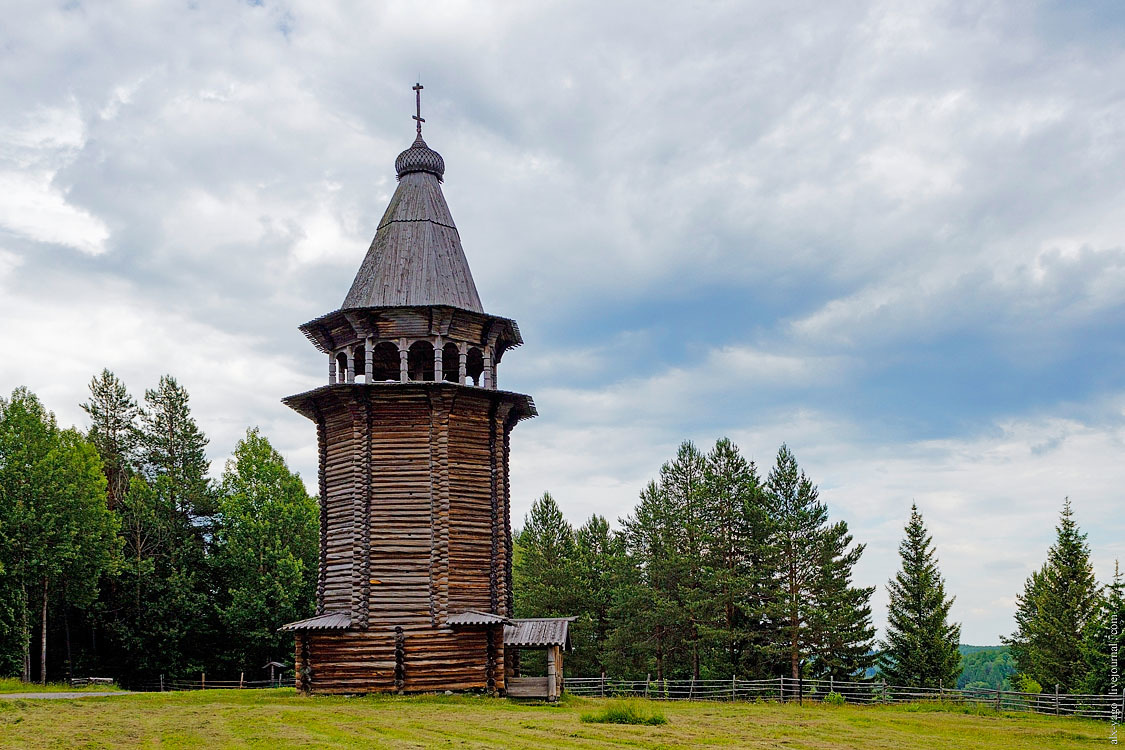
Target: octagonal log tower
[[414, 580]]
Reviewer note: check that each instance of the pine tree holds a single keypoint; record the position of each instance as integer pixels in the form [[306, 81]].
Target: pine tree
[[683, 486], [739, 561], [1056, 611], [164, 618], [174, 450], [920, 648], [799, 522], [113, 431]]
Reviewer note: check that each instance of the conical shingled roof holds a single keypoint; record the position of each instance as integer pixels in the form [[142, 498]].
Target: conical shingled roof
[[416, 257]]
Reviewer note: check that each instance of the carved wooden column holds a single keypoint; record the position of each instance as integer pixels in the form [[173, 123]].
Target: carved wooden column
[[439, 374], [369, 360]]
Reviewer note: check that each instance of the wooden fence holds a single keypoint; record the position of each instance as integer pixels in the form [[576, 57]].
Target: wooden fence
[[203, 682], [796, 690]]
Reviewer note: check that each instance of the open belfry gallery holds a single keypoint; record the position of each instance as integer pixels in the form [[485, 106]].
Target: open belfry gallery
[[415, 575]]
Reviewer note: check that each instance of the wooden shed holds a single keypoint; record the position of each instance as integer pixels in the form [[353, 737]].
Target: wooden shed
[[413, 436], [550, 634]]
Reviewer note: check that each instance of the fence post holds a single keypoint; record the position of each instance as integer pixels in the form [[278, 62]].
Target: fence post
[[781, 682], [648, 679], [941, 690], [831, 684], [162, 683], [997, 700], [733, 687], [241, 679], [691, 689], [1056, 699], [202, 680], [603, 684], [801, 687], [884, 690]]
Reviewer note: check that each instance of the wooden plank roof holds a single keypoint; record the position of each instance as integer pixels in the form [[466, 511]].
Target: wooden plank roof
[[327, 621], [473, 617], [306, 403], [538, 632], [416, 257]]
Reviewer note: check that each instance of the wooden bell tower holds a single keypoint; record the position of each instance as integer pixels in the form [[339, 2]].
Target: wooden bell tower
[[414, 583]]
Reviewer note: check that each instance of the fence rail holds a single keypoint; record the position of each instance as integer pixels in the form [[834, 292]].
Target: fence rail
[[206, 683], [788, 689]]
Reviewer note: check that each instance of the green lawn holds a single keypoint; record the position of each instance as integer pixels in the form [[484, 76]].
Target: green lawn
[[281, 719], [13, 685]]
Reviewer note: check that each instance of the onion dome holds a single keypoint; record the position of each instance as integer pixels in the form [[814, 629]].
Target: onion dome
[[420, 158]]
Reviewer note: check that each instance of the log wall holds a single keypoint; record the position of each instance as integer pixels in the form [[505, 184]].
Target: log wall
[[379, 660], [415, 514]]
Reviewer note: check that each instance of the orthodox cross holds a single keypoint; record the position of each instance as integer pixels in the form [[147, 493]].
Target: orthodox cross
[[418, 101]]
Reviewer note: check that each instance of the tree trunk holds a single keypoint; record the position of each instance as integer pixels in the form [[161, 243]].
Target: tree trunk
[[66, 626], [43, 639], [25, 632], [695, 651], [794, 645]]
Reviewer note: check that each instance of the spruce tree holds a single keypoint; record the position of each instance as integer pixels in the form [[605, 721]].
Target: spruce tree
[[598, 556], [650, 620], [1057, 610], [544, 570], [920, 648], [840, 626], [1105, 639], [544, 578]]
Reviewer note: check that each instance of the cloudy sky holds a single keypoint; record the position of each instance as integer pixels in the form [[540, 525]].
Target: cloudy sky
[[888, 234]]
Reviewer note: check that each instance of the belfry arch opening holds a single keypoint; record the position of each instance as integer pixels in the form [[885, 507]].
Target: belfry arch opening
[[451, 363], [342, 367], [384, 362], [359, 358], [474, 366], [420, 361]]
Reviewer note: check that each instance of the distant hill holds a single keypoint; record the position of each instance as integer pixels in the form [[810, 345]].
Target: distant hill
[[988, 667]]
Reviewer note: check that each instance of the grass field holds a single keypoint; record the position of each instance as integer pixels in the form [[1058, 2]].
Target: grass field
[[281, 719], [13, 685]]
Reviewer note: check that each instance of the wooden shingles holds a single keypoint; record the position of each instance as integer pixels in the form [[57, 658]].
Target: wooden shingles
[[416, 256]]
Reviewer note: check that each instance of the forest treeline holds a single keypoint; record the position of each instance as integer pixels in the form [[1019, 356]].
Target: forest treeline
[[719, 571], [120, 557]]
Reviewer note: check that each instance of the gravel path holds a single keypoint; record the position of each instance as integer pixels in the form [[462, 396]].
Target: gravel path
[[49, 696]]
